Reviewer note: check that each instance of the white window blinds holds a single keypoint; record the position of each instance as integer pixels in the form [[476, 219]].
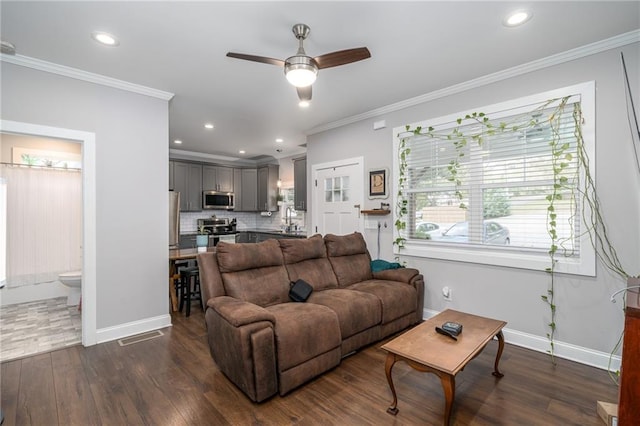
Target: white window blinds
[[496, 180]]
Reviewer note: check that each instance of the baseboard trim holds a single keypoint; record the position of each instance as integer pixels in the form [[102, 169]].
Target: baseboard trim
[[132, 328], [587, 356]]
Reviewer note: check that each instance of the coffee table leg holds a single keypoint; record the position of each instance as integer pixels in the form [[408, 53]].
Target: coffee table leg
[[388, 365], [500, 337], [449, 387]]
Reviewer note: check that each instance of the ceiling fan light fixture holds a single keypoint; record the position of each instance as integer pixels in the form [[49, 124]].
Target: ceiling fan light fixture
[[300, 71]]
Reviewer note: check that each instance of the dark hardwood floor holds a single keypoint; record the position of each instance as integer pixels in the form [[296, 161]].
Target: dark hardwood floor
[[172, 380]]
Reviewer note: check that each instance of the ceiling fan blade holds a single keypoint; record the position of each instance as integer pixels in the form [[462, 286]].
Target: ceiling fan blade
[[342, 57], [304, 93], [254, 58]]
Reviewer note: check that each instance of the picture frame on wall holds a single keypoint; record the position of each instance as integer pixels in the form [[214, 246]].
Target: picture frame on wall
[[378, 183]]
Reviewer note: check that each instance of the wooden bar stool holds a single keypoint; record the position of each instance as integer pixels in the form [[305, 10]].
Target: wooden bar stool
[[177, 279], [189, 287]]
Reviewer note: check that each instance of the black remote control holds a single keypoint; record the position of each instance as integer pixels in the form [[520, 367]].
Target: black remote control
[[446, 333]]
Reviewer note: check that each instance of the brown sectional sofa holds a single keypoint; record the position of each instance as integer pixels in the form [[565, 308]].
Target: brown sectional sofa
[[266, 344]]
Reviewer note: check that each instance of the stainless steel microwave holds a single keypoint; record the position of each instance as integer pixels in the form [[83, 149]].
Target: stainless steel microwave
[[214, 200]]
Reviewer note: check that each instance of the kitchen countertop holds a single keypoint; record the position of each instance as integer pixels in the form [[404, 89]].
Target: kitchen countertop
[[186, 253], [300, 234]]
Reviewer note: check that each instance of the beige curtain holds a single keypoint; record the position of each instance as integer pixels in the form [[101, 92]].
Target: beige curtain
[[44, 223]]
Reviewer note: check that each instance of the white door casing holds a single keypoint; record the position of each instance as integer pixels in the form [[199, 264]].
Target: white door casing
[[337, 194], [89, 273]]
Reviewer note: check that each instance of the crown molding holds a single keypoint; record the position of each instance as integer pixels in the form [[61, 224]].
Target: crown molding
[[560, 58], [183, 154], [38, 64]]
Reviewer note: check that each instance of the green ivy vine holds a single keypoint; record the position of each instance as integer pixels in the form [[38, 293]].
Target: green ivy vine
[[564, 180], [401, 202], [560, 159]]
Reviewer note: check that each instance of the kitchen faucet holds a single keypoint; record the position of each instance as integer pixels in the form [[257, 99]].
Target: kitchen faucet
[[287, 218]]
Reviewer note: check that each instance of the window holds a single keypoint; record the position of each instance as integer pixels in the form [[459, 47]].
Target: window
[[477, 189], [336, 189]]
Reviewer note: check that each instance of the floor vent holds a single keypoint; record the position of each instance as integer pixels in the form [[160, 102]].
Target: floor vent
[[140, 338]]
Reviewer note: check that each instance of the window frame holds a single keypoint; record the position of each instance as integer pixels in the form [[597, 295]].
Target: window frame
[[584, 264]]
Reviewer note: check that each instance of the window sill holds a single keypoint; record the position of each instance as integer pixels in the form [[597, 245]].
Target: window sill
[[497, 256]]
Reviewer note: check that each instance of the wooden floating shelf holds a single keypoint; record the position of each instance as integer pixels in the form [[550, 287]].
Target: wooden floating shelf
[[376, 212]]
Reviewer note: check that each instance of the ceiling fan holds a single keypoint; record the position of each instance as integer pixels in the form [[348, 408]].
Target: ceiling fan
[[300, 69]]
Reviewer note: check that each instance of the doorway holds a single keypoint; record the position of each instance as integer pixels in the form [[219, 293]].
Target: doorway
[[337, 194], [88, 149]]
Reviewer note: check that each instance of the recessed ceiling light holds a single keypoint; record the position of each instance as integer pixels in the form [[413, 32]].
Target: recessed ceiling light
[[7, 48], [177, 141], [279, 140], [242, 151], [105, 38], [516, 18], [303, 104], [208, 126]]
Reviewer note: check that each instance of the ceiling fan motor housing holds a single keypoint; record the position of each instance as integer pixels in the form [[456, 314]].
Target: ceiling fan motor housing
[[301, 31]]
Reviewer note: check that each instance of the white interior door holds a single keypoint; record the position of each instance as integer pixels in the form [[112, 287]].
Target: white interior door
[[338, 197]]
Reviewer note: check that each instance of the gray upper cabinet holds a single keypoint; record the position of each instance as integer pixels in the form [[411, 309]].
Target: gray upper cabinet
[[237, 189], [300, 184], [246, 190], [268, 187], [187, 179], [217, 178]]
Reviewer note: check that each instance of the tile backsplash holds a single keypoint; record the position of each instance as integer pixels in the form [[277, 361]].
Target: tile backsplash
[[245, 220]]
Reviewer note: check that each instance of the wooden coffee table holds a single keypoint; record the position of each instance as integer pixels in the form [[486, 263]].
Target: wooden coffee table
[[427, 351]]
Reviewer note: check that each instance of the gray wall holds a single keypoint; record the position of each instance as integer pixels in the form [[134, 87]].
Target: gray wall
[[131, 182], [585, 316]]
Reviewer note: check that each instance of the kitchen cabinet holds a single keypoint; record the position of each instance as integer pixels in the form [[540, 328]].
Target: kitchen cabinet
[[245, 183], [268, 187], [246, 237], [300, 184], [189, 241], [187, 179], [258, 237], [217, 178]]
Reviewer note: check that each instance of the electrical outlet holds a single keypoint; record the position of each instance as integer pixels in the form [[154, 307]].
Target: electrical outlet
[[447, 293], [370, 224]]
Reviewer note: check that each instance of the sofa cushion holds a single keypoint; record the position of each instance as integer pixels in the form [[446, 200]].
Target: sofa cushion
[[307, 259], [239, 257], [356, 310], [398, 299], [254, 272], [303, 331], [349, 258]]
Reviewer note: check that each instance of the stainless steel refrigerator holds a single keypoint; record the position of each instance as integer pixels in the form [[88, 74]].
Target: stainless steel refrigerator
[[174, 219]]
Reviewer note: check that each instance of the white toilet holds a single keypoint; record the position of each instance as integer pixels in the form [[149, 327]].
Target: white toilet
[[73, 280]]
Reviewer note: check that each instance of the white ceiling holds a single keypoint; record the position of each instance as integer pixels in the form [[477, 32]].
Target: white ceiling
[[180, 47]]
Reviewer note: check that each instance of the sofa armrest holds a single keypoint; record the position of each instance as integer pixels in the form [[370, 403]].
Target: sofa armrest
[[403, 275], [238, 312], [242, 343], [411, 276]]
